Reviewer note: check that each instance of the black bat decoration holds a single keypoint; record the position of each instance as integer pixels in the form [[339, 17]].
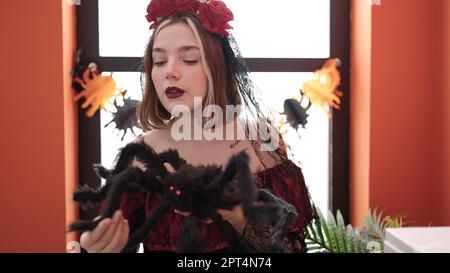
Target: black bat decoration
[[125, 116], [295, 112]]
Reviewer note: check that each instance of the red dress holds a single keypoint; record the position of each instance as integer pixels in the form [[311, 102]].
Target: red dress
[[284, 180]]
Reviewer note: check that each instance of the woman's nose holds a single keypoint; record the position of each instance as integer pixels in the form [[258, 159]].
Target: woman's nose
[[172, 72]]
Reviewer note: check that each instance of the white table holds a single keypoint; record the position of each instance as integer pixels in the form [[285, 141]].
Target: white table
[[417, 240]]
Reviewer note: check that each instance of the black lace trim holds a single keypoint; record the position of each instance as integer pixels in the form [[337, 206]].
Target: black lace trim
[[257, 235]]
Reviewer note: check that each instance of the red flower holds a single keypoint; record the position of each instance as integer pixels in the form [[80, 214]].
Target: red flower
[[215, 16], [162, 8]]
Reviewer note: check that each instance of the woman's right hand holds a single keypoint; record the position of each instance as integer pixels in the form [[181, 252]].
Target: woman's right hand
[[110, 235]]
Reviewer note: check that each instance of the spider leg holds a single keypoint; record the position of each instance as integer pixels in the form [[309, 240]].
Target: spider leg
[[148, 156], [270, 199], [152, 181], [118, 186], [101, 171], [266, 213], [143, 153], [86, 194], [94, 107], [89, 101], [142, 232], [79, 81], [239, 161], [152, 175], [246, 180], [237, 243], [79, 95], [278, 230], [172, 157], [275, 208], [190, 240], [262, 213]]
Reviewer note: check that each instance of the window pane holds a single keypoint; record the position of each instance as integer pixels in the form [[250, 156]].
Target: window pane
[[282, 28], [123, 29], [311, 150], [263, 28]]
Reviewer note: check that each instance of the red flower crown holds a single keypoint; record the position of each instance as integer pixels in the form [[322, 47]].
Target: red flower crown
[[213, 14]]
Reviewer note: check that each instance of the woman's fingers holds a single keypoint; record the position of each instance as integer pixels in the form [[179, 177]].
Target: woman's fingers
[[112, 244], [89, 239], [108, 234], [97, 233], [115, 245], [125, 235]]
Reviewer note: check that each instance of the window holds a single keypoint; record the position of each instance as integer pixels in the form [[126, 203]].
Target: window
[[297, 37]]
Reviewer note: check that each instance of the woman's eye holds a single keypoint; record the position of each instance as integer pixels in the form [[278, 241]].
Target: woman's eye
[[160, 63], [191, 61]]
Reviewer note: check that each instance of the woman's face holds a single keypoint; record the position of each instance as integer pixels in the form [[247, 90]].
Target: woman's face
[[177, 71]]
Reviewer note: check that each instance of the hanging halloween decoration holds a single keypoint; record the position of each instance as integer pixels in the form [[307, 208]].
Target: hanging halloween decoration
[[92, 86], [82, 63], [97, 90], [322, 89], [125, 116], [295, 114]]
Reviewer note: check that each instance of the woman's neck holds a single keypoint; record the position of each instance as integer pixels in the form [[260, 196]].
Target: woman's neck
[[196, 127]]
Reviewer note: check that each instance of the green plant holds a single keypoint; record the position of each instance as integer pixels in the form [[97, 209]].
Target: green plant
[[332, 235], [375, 225]]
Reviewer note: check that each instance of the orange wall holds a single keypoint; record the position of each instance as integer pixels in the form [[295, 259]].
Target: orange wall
[[37, 117], [445, 75], [406, 147]]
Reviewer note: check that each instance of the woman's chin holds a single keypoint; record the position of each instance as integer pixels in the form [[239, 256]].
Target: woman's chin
[[179, 107]]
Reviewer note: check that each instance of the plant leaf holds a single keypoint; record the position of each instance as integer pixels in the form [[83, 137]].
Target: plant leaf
[[341, 231], [333, 232], [324, 233]]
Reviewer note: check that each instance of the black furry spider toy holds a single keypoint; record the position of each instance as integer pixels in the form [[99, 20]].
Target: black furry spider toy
[[200, 190]]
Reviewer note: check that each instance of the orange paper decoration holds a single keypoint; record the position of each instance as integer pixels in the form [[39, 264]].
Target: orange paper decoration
[[96, 91], [322, 89]]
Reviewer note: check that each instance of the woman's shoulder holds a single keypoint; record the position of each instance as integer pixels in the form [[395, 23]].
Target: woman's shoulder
[[156, 138], [269, 159]]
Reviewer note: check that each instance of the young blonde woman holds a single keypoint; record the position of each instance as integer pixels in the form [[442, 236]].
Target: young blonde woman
[[191, 64]]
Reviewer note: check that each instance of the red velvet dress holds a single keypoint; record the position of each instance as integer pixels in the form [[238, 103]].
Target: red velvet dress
[[284, 180]]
